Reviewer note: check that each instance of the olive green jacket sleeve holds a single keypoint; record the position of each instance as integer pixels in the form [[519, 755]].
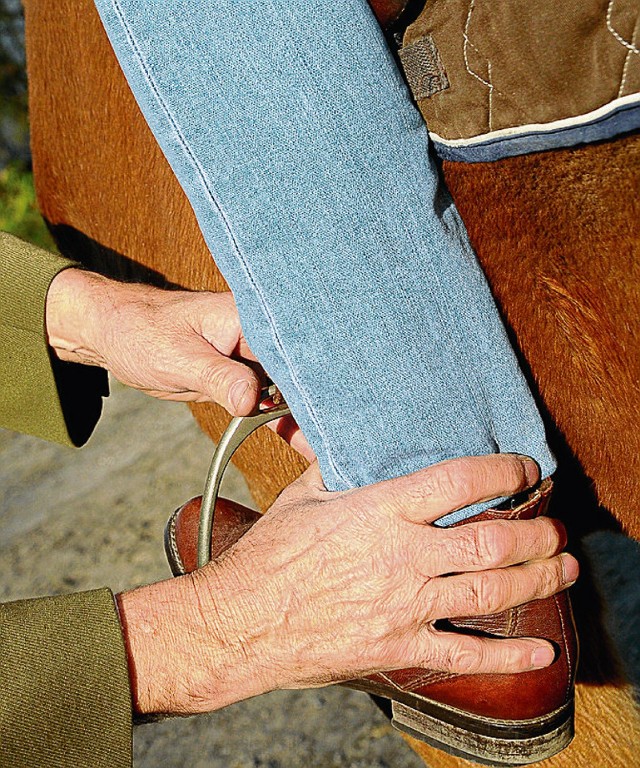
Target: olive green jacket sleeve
[[65, 700], [39, 394], [64, 685]]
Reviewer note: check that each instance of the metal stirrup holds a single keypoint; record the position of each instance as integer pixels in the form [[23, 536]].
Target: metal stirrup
[[235, 434]]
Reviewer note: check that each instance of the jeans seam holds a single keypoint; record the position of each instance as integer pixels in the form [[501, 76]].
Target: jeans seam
[[234, 243]]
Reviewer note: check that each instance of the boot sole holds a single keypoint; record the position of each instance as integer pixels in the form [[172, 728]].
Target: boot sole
[[483, 740]]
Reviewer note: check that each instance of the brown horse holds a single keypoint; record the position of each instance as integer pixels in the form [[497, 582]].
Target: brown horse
[[556, 233]]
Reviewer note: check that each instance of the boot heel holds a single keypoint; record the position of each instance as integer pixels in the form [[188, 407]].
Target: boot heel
[[484, 740]]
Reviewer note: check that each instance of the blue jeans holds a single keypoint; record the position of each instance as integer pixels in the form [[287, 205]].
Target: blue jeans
[[291, 130]]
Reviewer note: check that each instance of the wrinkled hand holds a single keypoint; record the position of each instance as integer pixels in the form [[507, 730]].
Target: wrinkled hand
[[175, 345], [333, 586]]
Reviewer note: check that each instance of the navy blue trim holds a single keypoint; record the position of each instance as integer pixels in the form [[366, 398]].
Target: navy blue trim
[[624, 119]]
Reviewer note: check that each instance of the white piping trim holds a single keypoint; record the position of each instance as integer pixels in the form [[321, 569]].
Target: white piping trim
[[554, 125]]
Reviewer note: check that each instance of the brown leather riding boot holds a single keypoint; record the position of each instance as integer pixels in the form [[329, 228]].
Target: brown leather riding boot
[[491, 719]]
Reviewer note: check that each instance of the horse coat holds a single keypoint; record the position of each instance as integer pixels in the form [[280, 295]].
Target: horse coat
[[557, 233]]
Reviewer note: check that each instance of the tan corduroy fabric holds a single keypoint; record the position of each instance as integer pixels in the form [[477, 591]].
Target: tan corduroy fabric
[[64, 692], [39, 395], [509, 63]]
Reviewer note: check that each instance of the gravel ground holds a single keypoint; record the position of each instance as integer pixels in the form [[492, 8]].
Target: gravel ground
[[74, 520]]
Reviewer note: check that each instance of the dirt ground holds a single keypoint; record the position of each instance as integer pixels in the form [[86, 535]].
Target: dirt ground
[[74, 520]]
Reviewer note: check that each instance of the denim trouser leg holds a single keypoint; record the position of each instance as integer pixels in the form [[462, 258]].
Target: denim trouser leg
[[292, 133]]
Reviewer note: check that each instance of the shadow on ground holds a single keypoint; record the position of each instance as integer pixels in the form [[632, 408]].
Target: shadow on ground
[[74, 520]]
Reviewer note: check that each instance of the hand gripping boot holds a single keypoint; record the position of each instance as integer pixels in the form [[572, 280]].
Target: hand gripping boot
[[490, 719]]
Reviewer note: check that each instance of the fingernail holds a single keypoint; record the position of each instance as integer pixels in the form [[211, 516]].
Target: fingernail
[[542, 656], [570, 568], [238, 394], [531, 469]]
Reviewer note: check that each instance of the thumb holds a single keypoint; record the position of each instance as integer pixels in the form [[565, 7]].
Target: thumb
[[230, 383]]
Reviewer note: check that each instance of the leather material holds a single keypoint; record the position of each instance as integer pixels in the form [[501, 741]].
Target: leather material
[[388, 11], [230, 522], [505, 697], [525, 696]]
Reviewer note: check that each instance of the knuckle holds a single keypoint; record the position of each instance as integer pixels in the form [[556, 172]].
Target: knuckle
[[214, 377], [486, 593], [556, 533], [469, 546], [514, 472], [549, 578], [465, 656], [487, 544], [415, 495], [451, 482], [501, 542]]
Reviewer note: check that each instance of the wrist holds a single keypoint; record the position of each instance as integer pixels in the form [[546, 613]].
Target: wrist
[[188, 649], [73, 315]]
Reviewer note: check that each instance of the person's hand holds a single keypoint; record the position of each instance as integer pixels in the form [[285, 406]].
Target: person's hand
[[175, 345], [333, 586]]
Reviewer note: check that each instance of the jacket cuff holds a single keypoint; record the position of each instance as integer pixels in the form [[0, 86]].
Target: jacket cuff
[[65, 698], [42, 395]]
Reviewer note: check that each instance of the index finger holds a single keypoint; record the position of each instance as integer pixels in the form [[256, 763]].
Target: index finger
[[431, 493], [287, 428]]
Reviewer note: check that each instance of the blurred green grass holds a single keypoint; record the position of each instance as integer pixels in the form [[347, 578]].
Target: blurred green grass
[[19, 213]]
